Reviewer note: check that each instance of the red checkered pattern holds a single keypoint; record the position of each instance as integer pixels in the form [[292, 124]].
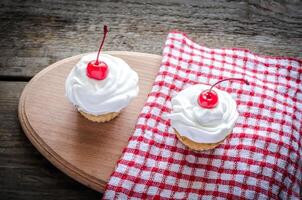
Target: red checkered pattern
[[262, 157]]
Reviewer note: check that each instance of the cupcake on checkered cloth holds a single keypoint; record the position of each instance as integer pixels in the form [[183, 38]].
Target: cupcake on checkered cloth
[[203, 116]]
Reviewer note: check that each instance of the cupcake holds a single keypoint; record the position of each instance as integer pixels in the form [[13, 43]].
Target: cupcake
[[203, 116], [101, 85]]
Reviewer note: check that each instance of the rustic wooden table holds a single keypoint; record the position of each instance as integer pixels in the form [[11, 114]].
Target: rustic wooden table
[[34, 34]]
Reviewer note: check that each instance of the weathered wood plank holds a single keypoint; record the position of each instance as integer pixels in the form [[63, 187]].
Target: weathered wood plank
[[24, 173], [34, 34]]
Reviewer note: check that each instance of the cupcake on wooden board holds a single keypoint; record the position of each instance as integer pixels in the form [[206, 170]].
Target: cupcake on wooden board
[[203, 116], [100, 85]]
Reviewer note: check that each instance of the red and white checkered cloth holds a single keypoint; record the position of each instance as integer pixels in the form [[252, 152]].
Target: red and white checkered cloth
[[261, 159]]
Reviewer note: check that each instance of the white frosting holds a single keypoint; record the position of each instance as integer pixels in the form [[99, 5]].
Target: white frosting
[[99, 97], [199, 124]]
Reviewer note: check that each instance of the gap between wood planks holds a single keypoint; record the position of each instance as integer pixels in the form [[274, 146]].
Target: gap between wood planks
[[15, 78]]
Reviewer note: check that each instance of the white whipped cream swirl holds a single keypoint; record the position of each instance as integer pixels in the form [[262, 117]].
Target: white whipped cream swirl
[[199, 124], [99, 97]]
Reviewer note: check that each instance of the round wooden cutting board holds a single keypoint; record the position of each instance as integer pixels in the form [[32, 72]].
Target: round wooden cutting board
[[86, 151]]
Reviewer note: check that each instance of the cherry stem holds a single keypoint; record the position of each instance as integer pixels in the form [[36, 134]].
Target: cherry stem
[[230, 79], [105, 34]]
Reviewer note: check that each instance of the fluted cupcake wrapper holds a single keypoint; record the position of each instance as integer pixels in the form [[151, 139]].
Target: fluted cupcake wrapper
[[100, 118]]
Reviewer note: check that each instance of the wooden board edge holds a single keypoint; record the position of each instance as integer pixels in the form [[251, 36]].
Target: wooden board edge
[[69, 170], [62, 165]]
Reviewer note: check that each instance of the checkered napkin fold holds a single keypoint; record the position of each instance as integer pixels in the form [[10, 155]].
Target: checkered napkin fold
[[261, 159]]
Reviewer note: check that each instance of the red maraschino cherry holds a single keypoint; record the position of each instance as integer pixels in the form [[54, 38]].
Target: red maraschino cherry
[[95, 69], [209, 98]]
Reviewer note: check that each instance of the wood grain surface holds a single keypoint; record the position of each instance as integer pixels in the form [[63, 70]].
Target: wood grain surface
[[24, 172], [35, 34], [85, 150], [50, 30]]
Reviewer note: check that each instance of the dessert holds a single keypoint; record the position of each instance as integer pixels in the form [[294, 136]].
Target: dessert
[[203, 116], [101, 85]]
